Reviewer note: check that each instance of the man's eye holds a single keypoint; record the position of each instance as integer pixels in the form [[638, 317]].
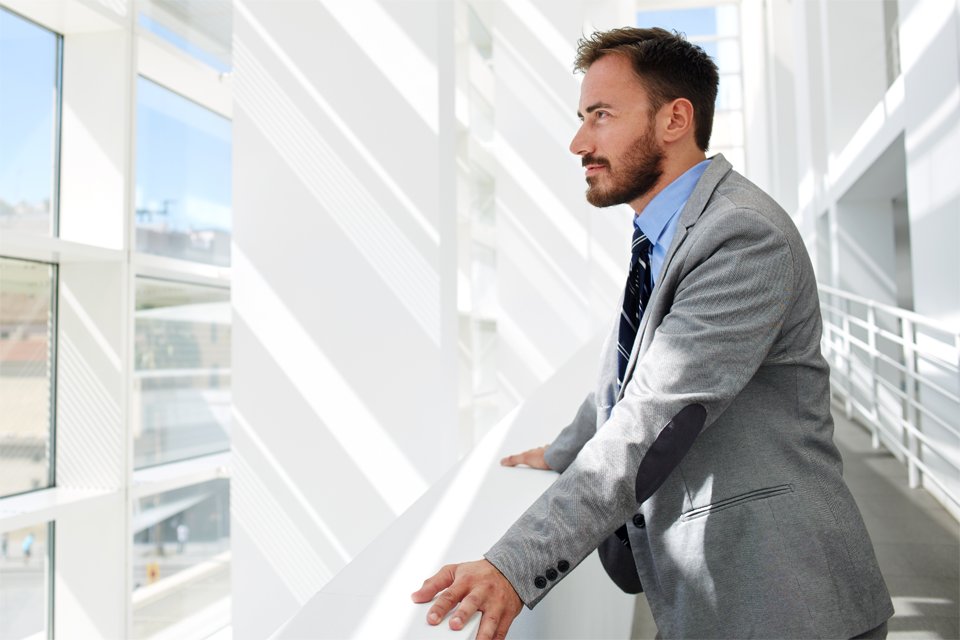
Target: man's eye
[[601, 115]]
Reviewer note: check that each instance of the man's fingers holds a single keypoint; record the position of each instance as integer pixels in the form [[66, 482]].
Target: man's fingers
[[489, 624], [502, 628], [444, 603], [510, 461], [435, 584], [468, 607], [531, 458]]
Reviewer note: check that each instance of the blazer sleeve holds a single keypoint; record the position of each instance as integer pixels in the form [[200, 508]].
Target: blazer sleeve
[[736, 285], [564, 449]]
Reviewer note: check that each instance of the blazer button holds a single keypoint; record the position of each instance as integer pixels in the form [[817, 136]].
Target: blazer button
[[539, 582], [639, 521], [563, 565], [551, 574]]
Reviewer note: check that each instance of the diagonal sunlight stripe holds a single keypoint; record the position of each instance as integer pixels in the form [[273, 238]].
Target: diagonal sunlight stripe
[[242, 425], [67, 296], [89, 450], [871, 266], [276, 536], [370, 446], [555, 268], [119, 7], [520, 343], [564, 108], [335, 118], [390, 49], [392, 609], [371, 230], [547, 35], [564, 219]]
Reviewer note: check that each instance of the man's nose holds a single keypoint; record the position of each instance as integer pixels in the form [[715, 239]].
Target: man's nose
[[579, 145]]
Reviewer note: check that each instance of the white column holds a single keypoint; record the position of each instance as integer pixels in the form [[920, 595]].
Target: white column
[[930, 58], [93, 341], [344, 254]]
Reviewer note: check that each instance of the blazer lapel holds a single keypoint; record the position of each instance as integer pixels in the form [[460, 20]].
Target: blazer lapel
[[692, 210]]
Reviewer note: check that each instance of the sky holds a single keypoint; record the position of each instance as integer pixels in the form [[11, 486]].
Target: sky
[[28, 91], [183, 149]]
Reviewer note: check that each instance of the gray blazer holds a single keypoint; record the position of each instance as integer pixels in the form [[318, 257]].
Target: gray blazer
[[718, 452]]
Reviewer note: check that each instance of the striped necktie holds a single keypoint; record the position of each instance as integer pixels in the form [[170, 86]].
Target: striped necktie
[[635, 297]]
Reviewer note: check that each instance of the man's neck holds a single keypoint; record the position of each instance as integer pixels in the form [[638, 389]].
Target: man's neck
[[673, 168]]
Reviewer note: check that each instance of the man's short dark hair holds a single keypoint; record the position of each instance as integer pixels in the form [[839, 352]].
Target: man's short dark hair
[[669, 66]]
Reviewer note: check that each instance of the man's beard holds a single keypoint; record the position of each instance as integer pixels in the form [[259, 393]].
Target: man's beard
[[639, 171]]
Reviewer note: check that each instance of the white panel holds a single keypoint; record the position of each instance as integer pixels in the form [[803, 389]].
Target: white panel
[[344, 283], [96, 138]]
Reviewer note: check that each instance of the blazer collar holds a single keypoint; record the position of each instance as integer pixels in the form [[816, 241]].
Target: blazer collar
[[696, 203], [719, 167]]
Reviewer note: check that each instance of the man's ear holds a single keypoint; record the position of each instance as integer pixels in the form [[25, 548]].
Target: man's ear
[[678, 115]]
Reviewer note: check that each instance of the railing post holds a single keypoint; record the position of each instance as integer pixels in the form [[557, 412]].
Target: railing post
[[908, 334], [848, 400], [874, 395]]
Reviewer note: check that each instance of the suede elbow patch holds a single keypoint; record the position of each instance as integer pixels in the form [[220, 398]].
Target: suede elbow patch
[[666, 452]]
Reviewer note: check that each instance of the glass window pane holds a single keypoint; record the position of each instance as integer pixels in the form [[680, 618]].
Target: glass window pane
[[28, 122], [181, 561], [202, 30], [727, 130], [710, 48], [26, 374], [728, 20], [24, 582], [730, 93], [701, 21], [182, 371], [183, 177], [734, 156], [728, 56]]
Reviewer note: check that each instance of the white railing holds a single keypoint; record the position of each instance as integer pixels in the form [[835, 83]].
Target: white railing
[[898, 373]]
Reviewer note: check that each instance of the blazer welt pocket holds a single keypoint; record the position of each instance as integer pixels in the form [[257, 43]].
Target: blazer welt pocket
[[750, 496]]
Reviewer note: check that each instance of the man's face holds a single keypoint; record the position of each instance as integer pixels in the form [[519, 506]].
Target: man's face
[[616, 142]]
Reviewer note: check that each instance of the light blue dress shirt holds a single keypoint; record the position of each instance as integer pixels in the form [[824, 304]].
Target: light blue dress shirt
[[659, 219]]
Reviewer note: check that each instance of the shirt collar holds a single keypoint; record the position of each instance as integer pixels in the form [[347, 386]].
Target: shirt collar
[[668, 203]]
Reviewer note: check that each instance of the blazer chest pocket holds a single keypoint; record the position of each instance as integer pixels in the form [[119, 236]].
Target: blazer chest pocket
[[743, 498]]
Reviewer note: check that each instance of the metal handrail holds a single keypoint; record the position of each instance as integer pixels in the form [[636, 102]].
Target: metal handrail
[[912, 404]]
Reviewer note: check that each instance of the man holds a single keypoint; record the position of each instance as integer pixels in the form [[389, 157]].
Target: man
[[708, 441]]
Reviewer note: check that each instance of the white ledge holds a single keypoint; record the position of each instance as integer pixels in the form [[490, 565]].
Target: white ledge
[[44, 505], [457, 520], [174, 475]]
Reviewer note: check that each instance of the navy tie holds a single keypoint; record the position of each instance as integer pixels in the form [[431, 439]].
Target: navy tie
[[635, 297]]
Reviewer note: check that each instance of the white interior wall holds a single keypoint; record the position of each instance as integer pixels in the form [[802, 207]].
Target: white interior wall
[[330, 157], [930, 57], [857, 70], [867, 249], [560, 261], [344, 337], [779, 91]]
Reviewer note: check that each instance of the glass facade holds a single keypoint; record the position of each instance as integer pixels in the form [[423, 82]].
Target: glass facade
[[182, 371], [24, 582], [181, 559], [179, 390], [716, 29], [183, 198], [29, 119], [26, 374], [202, 30]]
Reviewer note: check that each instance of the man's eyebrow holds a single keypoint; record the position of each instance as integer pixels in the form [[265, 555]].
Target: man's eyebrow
[[594, 107]]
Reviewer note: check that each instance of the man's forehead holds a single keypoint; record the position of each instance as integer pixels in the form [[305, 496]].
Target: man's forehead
[[611, 80]]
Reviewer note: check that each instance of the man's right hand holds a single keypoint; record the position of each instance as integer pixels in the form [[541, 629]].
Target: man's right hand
[[532, 458]]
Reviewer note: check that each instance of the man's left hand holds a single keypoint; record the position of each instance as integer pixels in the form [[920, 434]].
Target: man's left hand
[[476, 586]]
